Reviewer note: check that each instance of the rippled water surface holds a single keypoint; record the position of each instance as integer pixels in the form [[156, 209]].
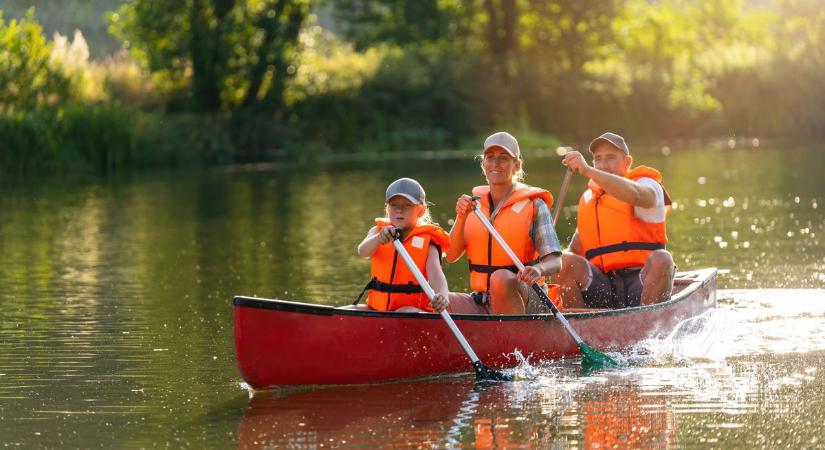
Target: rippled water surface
[[116, 318]]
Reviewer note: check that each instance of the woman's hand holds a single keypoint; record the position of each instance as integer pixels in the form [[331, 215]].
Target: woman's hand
[[439, 302], [464, 205], [529, 275]]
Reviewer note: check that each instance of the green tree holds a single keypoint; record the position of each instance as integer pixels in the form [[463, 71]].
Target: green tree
[[27, 78], [402, 22], [226, 54]]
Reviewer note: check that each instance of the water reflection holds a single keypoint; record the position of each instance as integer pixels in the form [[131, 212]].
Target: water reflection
[[461, 413]]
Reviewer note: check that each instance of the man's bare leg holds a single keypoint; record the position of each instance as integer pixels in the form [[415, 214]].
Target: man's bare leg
[[657, 277]]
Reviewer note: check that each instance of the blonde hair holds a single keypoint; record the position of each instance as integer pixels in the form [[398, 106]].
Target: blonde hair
[[518, 177]]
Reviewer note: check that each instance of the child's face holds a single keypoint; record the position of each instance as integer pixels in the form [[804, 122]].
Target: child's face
[[402, 212]]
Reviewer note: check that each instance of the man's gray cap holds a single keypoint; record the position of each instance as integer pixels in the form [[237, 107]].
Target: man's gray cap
[[408, 188], [504, 140], [613, 139]]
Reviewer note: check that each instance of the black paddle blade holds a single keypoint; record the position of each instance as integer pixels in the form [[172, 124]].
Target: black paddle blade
[[486, 373], [593, 359]]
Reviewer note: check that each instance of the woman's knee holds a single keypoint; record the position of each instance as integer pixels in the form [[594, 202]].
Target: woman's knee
[[502, 278]]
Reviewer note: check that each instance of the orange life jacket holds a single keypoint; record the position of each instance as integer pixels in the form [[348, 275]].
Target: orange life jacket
[[393, 284], [611, 235], [513, 222]]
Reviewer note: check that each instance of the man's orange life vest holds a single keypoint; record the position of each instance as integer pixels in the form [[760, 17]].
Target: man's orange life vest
[[513, 222], [393, 284], [611, 235]]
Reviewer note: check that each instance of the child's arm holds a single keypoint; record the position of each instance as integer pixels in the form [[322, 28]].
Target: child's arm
[[370, 244], [437, 280]]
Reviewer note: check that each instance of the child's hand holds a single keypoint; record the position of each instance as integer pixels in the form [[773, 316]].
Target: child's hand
[[386, 234], [439, 302]]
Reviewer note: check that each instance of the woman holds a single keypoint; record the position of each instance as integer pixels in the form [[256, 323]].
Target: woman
[[521, 214]]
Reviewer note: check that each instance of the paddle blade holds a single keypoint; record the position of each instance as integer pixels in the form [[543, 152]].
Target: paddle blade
[[593, 359], [486, 373]]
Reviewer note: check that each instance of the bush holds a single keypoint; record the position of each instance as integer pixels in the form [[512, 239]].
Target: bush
[[417, 98]]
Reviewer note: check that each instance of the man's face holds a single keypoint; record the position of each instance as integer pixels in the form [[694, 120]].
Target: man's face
[[610, 159]]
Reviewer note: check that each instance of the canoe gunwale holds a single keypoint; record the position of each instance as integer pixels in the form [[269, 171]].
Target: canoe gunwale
[[698, 279]]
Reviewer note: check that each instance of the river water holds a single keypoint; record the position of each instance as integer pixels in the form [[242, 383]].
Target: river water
[[116, 317]]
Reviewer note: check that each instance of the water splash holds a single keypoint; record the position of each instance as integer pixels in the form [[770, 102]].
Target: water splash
[[746, 322]]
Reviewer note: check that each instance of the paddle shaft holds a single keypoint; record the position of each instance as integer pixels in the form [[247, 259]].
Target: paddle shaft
[[542, 294], [565, 184], [399, 247]]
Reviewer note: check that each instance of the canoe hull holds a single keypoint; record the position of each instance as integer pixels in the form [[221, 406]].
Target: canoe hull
[[280, 343]]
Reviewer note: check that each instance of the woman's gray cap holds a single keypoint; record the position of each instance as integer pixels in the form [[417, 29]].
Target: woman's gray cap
[[407, 188], [504, 140], [612, 139]]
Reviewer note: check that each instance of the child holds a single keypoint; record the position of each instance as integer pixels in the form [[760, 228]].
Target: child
[[393, 286]]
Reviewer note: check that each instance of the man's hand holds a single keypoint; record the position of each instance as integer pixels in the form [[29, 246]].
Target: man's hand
[[575, 161]]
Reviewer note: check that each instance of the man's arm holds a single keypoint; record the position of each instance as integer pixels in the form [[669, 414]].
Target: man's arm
[[575, 244], [623, 188], [620, 187]]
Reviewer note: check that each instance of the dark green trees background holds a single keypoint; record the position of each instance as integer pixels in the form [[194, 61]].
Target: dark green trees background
[[157, 83]]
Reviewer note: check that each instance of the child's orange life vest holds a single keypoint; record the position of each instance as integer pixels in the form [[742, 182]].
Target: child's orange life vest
[[393, 284]]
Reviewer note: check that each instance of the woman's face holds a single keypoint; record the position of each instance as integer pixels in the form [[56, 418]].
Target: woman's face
[[499, 167]]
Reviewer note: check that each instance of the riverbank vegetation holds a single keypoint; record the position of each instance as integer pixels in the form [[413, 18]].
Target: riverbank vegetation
[[204, 82]]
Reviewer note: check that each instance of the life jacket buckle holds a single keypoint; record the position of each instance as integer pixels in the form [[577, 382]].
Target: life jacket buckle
[[481, 298]]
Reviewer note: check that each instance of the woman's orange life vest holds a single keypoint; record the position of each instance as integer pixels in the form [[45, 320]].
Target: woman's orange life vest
[[513, 222], [393, 284], [611, 235]]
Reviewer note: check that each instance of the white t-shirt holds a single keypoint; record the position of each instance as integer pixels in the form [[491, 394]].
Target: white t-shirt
[[656, 213]]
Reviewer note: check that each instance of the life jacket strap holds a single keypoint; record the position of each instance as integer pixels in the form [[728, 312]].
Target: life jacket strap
[[484, 268], [622, 247], [380, 286], [409, 288]]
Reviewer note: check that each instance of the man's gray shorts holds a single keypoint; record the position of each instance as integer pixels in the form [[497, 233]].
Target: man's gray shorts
[[618, 289]]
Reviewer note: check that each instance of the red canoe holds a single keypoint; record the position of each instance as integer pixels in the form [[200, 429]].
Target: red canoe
[[280, 343]]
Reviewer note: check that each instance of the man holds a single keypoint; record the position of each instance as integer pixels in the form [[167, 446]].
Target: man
[[617, 255]]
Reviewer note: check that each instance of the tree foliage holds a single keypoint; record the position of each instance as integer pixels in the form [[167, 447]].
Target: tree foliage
[[401, 22], [28, 80], [226, 54]]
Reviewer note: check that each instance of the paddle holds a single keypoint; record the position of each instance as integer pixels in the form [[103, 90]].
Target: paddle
[[482, 371], [592, 359], [565, 184]]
